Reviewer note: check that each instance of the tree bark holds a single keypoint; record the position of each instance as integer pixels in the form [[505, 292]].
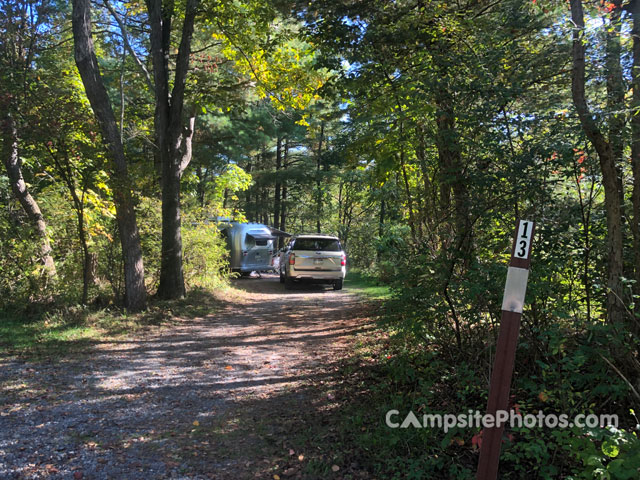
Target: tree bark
[[615, 303], [429, 194], [278, 186], [87, 63], [452, 179], [283, 203], [318, 181], [381, 226], [635, 151], [615, 95], [173, 138], [13, 165]]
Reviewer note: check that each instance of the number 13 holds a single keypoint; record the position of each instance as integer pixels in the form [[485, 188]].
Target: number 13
[[523, 241]]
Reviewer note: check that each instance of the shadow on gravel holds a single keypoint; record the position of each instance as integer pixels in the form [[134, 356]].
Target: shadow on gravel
[[250, 392], [269, 284], [40, 331]]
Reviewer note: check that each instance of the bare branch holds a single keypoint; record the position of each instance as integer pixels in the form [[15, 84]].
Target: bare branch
[[127, 44]]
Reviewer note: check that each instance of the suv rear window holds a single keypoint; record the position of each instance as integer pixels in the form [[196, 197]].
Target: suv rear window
[[317, 244]]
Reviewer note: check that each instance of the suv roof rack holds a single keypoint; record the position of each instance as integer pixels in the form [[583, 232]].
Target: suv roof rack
[[313, 234]]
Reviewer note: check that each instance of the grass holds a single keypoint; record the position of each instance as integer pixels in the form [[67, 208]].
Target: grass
[[57, 331], [367, 285]]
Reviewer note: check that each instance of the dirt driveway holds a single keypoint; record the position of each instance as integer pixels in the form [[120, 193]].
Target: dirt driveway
[[245, 393]]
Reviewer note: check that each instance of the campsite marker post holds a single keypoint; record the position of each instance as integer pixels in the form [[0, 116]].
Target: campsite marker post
[[512, 305]]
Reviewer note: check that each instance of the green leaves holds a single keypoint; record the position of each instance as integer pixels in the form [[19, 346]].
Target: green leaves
[[610, 448]]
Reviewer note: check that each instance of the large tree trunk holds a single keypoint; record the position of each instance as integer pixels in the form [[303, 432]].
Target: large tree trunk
[[606, 155], [87, 63], [173, 138], [11, 157], [635, 151]]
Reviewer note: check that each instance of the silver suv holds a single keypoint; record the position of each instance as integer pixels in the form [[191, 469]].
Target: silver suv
[[315, 258]]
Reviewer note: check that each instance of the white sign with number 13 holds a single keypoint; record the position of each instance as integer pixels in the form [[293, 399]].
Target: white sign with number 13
[[523, 241]]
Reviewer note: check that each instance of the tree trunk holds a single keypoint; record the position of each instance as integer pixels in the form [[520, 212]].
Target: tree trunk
[[318, 181], [283, 203], [171, 273], [66, 172], [172, 137], [265, 206], [615, 304], [13, 164], [452, 178], [248, 191], [635, 152], [407, 190], [87, 63], [429, 195], [615, 95], [278, 186], [201, 189], [87, 259], [381, 225]]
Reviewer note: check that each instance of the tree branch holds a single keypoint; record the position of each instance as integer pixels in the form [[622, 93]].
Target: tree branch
[[127, 44]]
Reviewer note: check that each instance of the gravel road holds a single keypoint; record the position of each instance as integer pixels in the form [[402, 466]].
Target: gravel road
[[225, 396]]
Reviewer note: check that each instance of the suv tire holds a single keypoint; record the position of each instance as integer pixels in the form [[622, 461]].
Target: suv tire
[[288, 283], [281, 277], [337, 285]]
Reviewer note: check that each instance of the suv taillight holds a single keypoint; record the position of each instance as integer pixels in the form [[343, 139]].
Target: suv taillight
[[292, 259], [343, 262]]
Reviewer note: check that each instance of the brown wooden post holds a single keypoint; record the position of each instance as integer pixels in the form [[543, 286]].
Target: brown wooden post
[[512, 304]]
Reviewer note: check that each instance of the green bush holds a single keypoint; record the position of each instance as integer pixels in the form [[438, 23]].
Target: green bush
[[205, 253], [21, 278]]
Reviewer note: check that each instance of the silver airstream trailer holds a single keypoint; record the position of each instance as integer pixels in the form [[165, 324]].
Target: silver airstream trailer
[[251, 246]]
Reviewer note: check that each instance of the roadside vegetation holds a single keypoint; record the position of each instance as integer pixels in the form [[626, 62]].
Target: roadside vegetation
[[416, 132], [367, 286]]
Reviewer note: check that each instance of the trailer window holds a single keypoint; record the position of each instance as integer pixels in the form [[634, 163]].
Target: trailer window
[[250, 241], [317, 244]]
